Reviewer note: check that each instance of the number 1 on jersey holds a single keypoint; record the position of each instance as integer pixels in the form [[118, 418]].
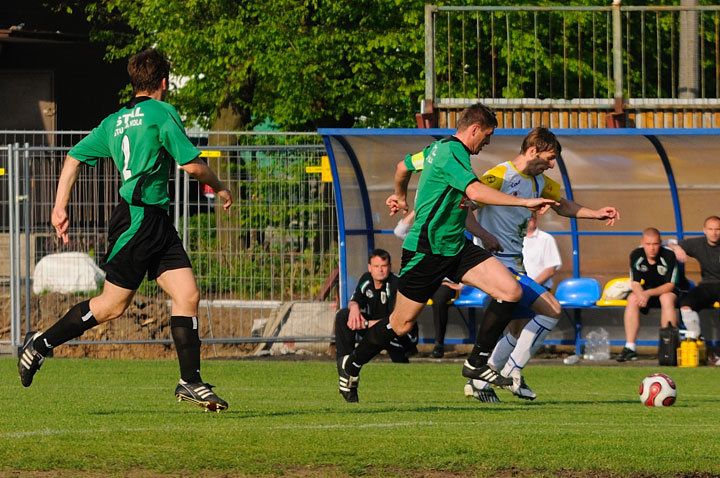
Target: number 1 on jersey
[[126, 173]]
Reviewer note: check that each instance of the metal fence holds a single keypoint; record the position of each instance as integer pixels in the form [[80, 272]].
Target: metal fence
[[275, 248], [533, 60]]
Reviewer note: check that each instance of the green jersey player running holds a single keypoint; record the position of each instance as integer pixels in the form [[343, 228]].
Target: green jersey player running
[[436, 246], [144, 139]]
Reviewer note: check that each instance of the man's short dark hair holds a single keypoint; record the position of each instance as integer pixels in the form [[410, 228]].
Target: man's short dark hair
[[381, 253], [543, 139], [147, 69], [651, 231], [476, 114], [710, 218]]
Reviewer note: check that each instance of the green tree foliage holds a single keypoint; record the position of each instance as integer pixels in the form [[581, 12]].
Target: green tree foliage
[[302, 63]]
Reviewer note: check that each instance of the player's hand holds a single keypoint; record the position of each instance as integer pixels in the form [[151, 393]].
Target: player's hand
[[643, 299], [491, 244], [680, 253], [227, 197], [609, 213], [355, 319], [396, 203], [540, 205], [61, 223]]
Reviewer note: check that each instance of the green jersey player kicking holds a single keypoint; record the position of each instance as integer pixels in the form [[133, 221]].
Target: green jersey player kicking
[[144, 139], [436, 246]]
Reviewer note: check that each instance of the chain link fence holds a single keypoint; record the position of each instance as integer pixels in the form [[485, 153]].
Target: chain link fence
[[263, 267]]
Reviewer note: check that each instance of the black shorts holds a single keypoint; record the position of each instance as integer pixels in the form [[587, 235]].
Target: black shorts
[[701, 297], [421, 274], [141, 240], [653, 303]]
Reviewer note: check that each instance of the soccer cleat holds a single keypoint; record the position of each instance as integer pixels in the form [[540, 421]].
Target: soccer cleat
[[485, 395], [30, 360], [488, 374], [520, 388], [200, 394], [627, 355], [348, 383], [438, 352]]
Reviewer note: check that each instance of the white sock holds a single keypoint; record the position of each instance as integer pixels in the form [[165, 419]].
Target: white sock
[[630, 345], [502, 351], [530, 340], [691, 319]]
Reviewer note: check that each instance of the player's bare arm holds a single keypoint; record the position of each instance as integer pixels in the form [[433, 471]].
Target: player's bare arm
[[68, 177], [490, 242], [396, 201], [482, 193], [680, 253], [198, 169], [570, 208]]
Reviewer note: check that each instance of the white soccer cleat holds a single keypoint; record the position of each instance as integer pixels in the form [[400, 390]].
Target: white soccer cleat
[[519, 388]]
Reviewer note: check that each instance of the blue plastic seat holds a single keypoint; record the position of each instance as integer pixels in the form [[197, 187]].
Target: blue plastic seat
[[471, 297], [578, 292]]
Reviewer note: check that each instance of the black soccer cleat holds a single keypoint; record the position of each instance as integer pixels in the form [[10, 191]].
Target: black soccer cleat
[[348, 383], [200, 394], [30, 360], [627, 355], [485, 395], [488, 374]]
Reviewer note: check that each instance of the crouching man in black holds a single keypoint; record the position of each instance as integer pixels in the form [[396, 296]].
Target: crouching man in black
[[373, 300]]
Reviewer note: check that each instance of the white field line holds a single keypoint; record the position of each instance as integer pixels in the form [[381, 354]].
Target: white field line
[[342, 426]]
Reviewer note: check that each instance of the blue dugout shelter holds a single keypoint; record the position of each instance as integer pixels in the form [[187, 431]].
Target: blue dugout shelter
[[664, 178]]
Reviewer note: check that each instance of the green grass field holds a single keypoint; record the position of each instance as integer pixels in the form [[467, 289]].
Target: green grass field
[[85, 416]]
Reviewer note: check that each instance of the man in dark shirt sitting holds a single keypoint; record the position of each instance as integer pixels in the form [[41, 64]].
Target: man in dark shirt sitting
[[373, 300], [655, 277], [706, 250]]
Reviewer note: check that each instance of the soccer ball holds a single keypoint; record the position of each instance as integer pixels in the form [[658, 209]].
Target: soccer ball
[[657, 390]]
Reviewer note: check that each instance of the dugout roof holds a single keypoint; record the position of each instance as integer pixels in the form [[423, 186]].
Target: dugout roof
[[664, 178]]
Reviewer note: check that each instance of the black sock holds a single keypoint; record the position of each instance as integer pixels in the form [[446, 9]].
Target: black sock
[[73, 324], [497, 317], [187, 344], [377, 338]]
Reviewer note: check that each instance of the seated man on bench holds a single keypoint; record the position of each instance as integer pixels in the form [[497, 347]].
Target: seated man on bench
[[706, 250], [655, 276]]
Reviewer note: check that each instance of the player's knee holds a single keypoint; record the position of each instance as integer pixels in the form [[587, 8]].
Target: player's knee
[[511, 293], [632, 300]]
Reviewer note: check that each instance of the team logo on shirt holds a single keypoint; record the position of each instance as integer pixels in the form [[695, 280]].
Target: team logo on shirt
[[383, 297], [642, 268], [661, 269], [369, 294]]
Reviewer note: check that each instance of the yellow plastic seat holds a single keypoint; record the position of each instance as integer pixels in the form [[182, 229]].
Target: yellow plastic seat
[[605, 302]]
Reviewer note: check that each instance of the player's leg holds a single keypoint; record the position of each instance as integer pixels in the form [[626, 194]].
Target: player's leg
[[440, 299], [109, 305], [631, 320], [182, 288], [693, 302], [493, 277], [668, 313], [420, 276]]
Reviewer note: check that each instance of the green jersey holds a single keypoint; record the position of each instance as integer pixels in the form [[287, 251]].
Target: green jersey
[[142, 139], [440, 208]]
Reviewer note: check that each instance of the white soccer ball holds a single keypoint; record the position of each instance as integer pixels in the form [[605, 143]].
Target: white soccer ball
[[657, 390]]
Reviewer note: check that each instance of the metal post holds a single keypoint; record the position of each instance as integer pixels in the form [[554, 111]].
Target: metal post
[[186, 208], [617, 56], [15, 340], [26, 199], [430, 11], [688, 60], [176, 214]]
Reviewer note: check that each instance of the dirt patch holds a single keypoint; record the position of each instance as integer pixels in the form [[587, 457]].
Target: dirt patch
[[147, 318]]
